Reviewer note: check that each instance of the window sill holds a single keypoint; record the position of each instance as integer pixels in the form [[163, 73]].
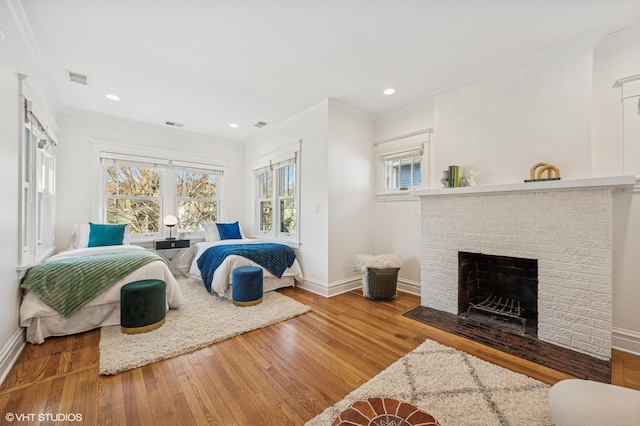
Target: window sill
[[404, 195], [290, 243]]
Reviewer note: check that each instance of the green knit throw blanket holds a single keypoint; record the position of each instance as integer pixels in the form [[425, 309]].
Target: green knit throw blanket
[[68, 284]]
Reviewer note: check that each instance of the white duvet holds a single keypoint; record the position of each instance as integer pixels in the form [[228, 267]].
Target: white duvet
[[42, 321], [221, 283]]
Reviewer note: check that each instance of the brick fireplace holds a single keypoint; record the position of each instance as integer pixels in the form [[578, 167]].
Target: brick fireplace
[[565, 227]]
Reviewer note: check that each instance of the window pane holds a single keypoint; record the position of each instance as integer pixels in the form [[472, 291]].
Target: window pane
[[191, 214], [288, 215], [134, 181], [266, 216], [404, 173], [287, 180], [265, 184], [196, 185], [143, 215]]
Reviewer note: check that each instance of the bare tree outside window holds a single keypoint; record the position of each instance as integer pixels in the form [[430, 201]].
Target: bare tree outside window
[[133, 196], [197, 195]]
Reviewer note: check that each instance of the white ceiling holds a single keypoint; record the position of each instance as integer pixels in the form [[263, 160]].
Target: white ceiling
[[207, 64]]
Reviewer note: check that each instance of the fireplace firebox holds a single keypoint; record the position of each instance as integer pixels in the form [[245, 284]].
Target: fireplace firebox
[[500, 289]]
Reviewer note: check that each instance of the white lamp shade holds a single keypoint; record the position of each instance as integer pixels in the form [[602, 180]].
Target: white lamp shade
[[170, 220]]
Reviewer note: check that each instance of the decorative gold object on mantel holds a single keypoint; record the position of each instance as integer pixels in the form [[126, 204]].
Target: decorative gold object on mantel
[[543, 171]]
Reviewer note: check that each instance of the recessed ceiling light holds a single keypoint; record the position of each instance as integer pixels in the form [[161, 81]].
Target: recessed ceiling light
[[112, 97], [389, 91], [234, 125]]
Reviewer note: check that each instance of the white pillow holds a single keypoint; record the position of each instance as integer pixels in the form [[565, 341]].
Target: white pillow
[[211, 231], [80, 236]]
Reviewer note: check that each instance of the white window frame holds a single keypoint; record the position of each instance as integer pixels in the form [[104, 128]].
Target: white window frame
[[171, 161], [274, 161], [408, 146], [38, 148]]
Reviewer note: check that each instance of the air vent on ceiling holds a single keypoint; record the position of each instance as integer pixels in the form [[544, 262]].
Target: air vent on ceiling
[[260, 124], [75, 77], [173, 123]]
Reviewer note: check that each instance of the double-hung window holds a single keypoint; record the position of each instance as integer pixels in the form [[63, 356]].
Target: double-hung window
[[277, 194], [141, 191], [196, 196], [37, 176], [133, 194]]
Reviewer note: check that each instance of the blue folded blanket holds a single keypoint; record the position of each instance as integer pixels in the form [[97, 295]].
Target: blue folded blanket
[[275, 258]]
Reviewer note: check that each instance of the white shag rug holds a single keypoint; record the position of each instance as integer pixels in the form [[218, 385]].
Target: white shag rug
[[456, 388], [203, 319]]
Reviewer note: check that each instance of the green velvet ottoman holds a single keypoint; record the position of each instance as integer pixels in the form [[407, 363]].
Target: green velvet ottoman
[[143, 306]]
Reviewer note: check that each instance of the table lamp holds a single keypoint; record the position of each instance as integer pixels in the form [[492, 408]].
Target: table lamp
[[170, 221]]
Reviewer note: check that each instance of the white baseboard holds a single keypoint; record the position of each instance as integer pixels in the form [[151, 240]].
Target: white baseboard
[[10, 353], [626, 340], [344, 286], [408, 286], [331, 289]]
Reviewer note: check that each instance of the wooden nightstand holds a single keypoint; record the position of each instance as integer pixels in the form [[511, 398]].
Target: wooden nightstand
[[162, 245]]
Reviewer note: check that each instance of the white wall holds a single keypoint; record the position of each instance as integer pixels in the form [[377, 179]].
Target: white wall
[[502, 124], [614, 58], [351, 193], [76, 199], [397, 223], [311, 128]]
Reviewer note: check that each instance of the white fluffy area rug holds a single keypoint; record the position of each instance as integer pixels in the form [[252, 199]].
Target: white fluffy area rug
[[456, 388], [203, 319]]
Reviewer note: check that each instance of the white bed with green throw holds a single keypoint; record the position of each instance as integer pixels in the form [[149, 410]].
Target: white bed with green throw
[[78, 290]]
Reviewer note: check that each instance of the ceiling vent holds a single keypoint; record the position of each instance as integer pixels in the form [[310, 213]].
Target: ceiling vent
[[173, 123], [260, 124], [75, 77]]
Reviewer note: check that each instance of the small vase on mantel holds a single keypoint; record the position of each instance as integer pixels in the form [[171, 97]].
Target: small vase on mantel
[[445, 179]]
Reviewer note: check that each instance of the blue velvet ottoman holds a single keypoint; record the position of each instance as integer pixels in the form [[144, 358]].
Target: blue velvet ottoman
[[143, 306], [246, 285]]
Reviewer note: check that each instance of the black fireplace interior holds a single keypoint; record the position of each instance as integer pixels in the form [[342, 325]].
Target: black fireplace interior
[[500, 289]]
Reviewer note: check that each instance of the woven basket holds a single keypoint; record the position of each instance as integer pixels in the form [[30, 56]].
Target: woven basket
[[382, 283]]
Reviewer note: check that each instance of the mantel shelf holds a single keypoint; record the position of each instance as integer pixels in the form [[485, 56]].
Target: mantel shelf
[[611, 182]]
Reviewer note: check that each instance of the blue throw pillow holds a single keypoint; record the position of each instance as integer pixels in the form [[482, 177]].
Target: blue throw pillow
[[106, 235], [229, 231]]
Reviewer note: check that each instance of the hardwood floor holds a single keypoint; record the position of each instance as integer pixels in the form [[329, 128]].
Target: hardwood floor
[[284, 374]]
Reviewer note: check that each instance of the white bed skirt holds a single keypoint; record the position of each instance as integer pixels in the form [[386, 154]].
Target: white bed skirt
[[41, 321]]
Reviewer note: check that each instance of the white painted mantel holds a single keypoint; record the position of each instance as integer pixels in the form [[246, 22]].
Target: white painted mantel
[[565, 224], [613, 182]]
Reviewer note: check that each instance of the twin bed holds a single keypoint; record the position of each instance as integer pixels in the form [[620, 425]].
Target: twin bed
[[44, 312]]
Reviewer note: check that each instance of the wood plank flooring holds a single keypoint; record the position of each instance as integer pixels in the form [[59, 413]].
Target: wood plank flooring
[[284, 374]]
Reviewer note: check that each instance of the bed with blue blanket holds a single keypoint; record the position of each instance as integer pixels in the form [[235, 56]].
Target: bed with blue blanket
[[215, 261]]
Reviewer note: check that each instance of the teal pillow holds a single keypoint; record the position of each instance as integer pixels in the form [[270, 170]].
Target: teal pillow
[[229, 231], [106, 235]]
